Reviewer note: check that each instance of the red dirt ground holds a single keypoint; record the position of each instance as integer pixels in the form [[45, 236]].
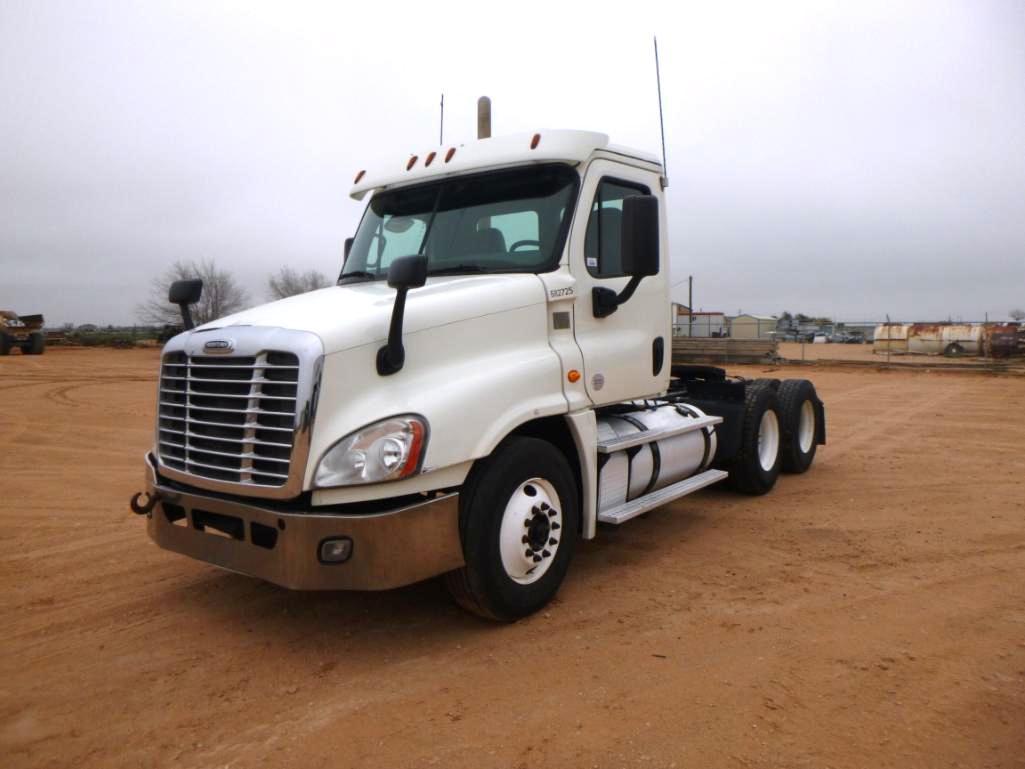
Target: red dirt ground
[[868, 614]]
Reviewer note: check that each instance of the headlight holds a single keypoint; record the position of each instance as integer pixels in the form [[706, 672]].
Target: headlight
[[384, 451]]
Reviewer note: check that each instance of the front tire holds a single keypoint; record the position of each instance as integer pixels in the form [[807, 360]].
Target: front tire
[[518, 519]]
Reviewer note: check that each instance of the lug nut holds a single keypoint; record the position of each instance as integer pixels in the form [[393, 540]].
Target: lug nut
[[524, 540], [526, 522], [546, 554], [535, 510], [537, 559], [545, 505], [553, 541], [555, 526], [552, 513], [529, 553]]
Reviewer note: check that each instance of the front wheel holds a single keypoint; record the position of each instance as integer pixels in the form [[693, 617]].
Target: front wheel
[[518, 520]]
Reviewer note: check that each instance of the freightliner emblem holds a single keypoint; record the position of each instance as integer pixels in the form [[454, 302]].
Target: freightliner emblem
[[219, 346]]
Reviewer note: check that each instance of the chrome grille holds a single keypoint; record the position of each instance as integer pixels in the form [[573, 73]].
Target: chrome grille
[[229, 419]]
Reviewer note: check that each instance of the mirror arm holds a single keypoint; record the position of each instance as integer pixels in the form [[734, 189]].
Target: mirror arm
[[186, 316], [605, 301], [629, 288], [392, 356]]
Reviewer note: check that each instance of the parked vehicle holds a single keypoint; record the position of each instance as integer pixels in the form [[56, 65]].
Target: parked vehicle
[[488, 382], [24, 332]]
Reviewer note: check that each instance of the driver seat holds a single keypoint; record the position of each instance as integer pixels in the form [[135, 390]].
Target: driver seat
[[479, 242]]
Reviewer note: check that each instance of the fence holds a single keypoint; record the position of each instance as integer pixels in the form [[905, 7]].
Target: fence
[[748, 339]]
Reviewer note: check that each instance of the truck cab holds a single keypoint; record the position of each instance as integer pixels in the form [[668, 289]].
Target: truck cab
[[489, 380]]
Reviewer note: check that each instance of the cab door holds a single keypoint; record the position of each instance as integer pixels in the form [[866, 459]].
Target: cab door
[[626, 353]]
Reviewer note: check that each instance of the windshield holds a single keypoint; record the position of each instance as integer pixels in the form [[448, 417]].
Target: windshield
[[501, 221]]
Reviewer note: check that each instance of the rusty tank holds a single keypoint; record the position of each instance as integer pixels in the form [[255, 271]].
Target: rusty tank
[[1002, 340]]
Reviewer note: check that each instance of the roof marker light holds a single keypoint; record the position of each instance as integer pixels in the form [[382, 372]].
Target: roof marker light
[[450, 153], [535, 141], [359, 176], [430, 159], [411, 163]]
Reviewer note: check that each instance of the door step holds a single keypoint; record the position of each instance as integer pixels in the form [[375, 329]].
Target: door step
[[635, 507], [649, 436]]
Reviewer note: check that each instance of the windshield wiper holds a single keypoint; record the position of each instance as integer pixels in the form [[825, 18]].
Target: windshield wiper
[[456, 269], [358, 276]]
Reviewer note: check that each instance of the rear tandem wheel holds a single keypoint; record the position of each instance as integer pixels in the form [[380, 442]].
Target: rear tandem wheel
[[756, 467]]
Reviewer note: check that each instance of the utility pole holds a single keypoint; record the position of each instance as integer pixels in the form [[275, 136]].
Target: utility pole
[[690, 305], [483, 118]]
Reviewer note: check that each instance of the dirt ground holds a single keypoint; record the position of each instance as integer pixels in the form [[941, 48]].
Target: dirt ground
[[868, 614]]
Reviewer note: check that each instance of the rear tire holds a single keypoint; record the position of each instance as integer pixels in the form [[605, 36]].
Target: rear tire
[[756, 467], [799, 419], [518, 521], [953, 350], [36, 343]]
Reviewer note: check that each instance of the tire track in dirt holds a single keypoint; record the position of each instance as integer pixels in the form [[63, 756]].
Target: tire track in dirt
[[889, 424]]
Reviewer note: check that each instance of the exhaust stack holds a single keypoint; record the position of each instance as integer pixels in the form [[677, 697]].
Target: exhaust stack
[[483, 118]]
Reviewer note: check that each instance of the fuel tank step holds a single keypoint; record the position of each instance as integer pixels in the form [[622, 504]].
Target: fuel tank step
[[635, 507], [648, 436]]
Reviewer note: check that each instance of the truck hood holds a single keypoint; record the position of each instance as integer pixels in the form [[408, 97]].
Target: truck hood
[[352, 315]]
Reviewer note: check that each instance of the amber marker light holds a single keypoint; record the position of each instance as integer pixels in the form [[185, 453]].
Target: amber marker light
[[535, 141], [450, 153], [411, 163], [430, 159], [359, 176], [573, 375]]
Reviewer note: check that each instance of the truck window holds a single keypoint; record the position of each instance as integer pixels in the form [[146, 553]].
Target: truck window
[[513, 220], [520, 230], [604, 228]]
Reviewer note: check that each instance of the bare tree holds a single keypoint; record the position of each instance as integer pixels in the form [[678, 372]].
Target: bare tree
[[289, 282], [222, 294], [1017, 314]]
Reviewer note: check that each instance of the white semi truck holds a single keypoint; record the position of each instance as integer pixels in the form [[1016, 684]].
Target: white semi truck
[[489, 380]]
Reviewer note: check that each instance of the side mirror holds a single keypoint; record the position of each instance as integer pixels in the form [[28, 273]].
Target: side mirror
[[408, 272], [183, 293], [404, 273], [640, 235], [639, 250]]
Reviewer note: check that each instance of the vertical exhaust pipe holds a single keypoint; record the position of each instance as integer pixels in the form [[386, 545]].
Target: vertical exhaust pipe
[[483, 118]]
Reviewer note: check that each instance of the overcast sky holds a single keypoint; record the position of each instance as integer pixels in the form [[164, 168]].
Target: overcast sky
[[852, 159]]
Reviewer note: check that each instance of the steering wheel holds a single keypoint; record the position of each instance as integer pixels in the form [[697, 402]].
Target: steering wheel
[[519, 243]]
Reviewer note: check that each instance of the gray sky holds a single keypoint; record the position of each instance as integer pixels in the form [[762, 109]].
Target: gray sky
[[852, 159]]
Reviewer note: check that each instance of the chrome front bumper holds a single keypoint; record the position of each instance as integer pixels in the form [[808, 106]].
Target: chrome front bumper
[[389, 549]]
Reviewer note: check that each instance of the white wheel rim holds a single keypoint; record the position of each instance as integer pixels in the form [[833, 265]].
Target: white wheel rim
[[806, 427], [768, 440], [531, 531]]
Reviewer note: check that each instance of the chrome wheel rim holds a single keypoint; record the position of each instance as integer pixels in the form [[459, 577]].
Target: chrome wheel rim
[[531, 531], [806, 427], [768, 440]]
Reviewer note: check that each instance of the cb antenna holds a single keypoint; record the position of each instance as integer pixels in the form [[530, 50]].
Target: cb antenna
[[441, 128], [661, 122]]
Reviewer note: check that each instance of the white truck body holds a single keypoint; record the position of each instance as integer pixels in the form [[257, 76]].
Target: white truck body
[[487, 356]]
